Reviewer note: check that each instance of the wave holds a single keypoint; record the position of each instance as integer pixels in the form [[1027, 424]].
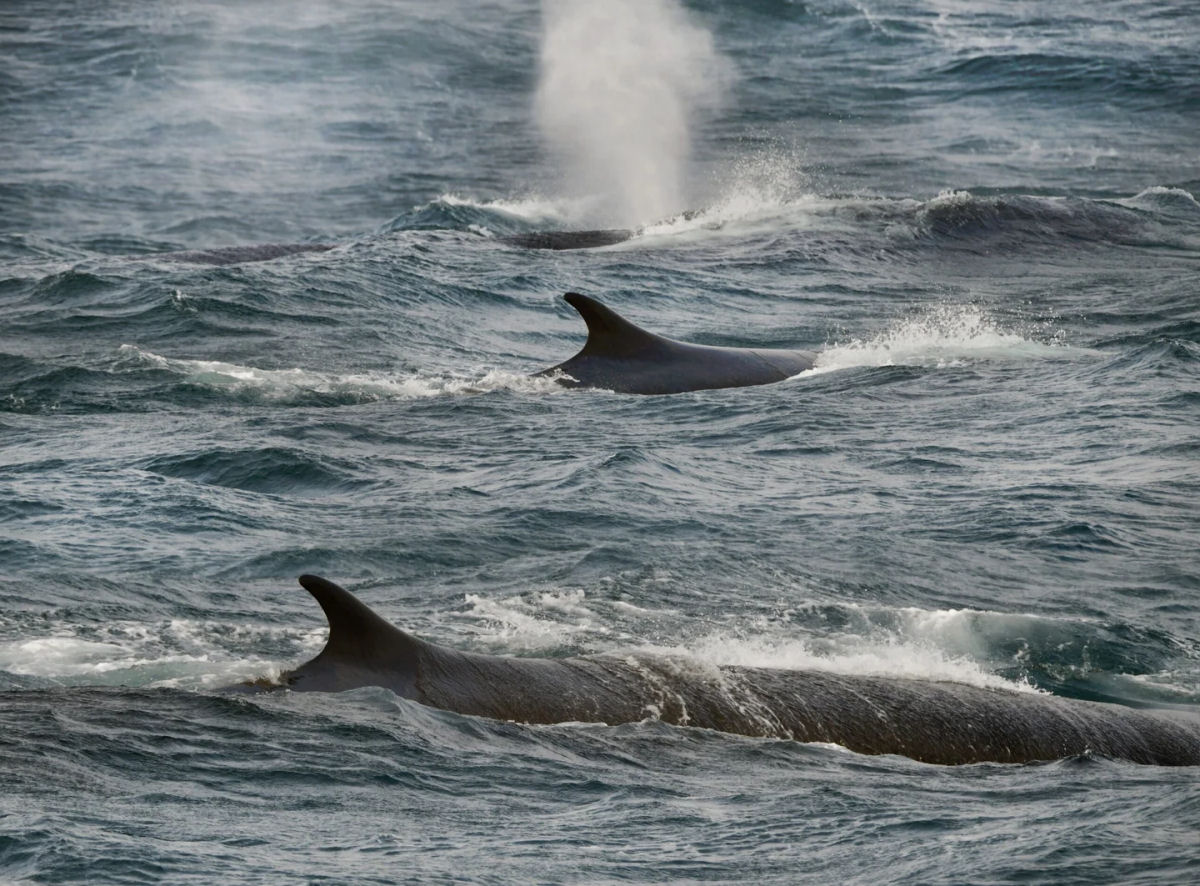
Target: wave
[[941, 336], [1013, 220], [1024, 652], [776, 204], [495, 217], [505, 216], [1166, 200], [978, 647], [274, 470], [186, 653], [309, 387], [1154, 83], [1022, 221]]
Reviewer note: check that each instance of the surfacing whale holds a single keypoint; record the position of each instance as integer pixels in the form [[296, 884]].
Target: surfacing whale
[[619, 356], [592, 239], [559, 240], [933, 722]]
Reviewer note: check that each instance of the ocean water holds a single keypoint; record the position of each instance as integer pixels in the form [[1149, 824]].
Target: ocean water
[[982, 215]]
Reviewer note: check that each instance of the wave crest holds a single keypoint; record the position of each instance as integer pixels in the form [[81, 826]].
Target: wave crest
[[302, 385], [947, 335]]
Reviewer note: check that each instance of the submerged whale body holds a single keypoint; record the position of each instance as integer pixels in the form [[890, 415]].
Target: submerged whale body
[[934, 722], [619, 356], [569, 239], [593, 238]]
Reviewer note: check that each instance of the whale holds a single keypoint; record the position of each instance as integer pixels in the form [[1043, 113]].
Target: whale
[[619, 356], [929, 721], [560, 240]]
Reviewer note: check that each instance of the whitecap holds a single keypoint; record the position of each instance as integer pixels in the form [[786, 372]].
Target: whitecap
[[286, 384], [942, 336]]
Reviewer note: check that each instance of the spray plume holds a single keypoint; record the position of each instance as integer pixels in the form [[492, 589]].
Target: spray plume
[[622, 83]]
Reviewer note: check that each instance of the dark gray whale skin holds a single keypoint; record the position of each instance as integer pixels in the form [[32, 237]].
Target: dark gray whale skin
[[592, 239], [619, 356], [559, 240], [933, 722]]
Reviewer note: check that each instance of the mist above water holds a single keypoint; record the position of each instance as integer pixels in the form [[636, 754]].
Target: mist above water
[[622, 83]]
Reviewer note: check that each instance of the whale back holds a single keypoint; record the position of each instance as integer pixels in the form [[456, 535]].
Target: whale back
[[929, 721], [621, 356], [559, 240], [956, 723]]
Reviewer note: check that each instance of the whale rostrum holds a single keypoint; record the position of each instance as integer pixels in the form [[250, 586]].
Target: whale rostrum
[[930, 721]]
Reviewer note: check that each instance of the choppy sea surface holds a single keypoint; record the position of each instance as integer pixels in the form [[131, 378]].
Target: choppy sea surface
[[981, 215]]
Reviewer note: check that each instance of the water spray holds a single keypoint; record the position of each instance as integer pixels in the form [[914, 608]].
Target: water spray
[[622, 85]]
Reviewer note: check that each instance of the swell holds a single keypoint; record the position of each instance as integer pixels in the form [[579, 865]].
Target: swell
[[161, 764], [623, 608], [1159, 82], [818, 227], [274, 470]]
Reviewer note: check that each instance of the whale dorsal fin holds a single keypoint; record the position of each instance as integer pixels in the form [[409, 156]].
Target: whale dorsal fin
[[360, 642], [610, 334]]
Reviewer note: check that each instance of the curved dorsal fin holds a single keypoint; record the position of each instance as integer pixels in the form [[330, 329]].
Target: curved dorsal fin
[[356, 633], [610, 334]]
